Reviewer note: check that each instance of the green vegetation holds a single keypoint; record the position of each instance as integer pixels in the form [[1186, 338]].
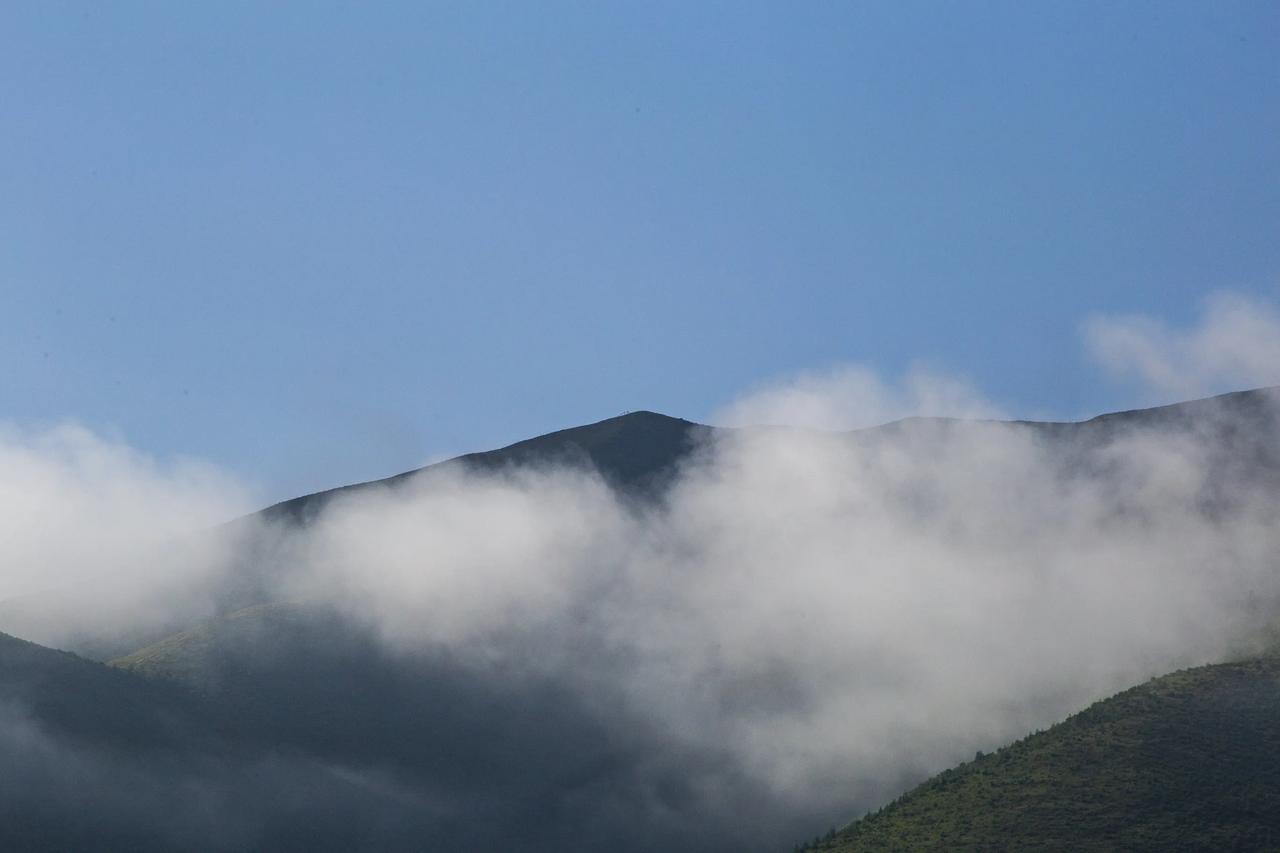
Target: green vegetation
[[1190, 761], [190, 657]]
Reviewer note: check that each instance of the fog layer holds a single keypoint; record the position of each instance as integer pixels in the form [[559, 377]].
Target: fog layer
[[805, 620]]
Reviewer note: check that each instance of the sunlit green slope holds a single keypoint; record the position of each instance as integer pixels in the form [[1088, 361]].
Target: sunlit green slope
[[1190, 761]]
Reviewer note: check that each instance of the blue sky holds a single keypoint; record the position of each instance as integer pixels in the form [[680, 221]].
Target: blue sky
[[325, 242]]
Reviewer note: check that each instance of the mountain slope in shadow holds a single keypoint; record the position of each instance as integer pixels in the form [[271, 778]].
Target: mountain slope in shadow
[[94, 758]]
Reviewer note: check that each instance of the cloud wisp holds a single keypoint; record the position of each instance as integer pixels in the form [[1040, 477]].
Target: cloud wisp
[[1235, 344], [75, 505], [852, 397]]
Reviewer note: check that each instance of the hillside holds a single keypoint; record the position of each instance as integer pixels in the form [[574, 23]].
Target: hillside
[[95, 703], [98, 759], [316, 740], [514, 754], [1189, 761]]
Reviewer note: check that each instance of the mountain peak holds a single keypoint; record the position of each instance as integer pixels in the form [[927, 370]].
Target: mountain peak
[[633, 451]]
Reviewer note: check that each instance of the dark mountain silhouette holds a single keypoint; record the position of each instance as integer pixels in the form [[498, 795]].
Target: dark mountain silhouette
[[533, 757], [636, 452], [640, 451], [95, 758]]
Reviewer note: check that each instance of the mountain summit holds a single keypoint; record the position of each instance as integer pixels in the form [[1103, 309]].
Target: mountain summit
[[636, 451]]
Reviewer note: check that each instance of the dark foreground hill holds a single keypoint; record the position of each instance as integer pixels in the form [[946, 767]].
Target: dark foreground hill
[[524, 760], [94, 758], [1190, 761], [318, 738]]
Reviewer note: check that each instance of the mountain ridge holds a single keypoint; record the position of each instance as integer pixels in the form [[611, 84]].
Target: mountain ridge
[[677, 435]]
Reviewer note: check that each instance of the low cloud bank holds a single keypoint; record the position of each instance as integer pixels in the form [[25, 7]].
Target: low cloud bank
[[837, 612], [829, 615]]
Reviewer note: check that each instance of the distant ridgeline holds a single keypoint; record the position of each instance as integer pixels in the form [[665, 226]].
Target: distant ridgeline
[[637, 452]]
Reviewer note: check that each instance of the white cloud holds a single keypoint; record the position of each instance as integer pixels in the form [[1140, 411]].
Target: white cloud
[[75, 505], [453, 557], [838, 612], [108, 539], [851, 396], [1235, 344]]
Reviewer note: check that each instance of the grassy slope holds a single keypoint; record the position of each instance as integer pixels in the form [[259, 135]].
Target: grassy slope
[[97, 703], [520, 760], [95, 758], [186, 657], [1189, 761], [307, 679]]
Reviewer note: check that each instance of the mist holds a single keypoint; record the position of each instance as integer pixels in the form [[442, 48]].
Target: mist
[[804, 620], [836, 612]]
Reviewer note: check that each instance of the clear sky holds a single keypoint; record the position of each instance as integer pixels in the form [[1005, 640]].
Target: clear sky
[[325, 242]]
